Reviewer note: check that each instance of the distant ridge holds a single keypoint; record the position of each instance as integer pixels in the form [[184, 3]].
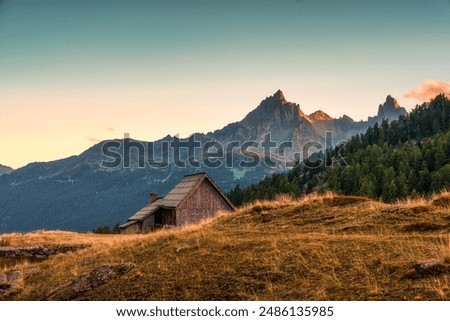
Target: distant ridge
[[5, 169]]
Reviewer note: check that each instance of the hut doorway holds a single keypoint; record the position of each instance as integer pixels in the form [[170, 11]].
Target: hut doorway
[[159, 218], [165, 217]]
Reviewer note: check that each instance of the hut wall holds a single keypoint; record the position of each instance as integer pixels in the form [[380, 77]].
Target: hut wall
[[148, 223], [203, 203], [131, 229]]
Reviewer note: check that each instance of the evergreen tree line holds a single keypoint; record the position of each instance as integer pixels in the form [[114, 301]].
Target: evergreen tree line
[[407, 157], [105, 229]]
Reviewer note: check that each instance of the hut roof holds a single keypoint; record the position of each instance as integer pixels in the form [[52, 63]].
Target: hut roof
[[145, 211], [182, 190], [186, 187], [129, 223], [177, 196]]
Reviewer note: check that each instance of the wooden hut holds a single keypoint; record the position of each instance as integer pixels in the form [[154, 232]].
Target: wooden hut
[[193, 199]]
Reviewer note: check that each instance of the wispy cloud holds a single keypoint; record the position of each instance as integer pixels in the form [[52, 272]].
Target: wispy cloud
[[428, 89], [93, 139], [110, 129]]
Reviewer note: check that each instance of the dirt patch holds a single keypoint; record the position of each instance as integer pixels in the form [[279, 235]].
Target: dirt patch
[[358, 228], [261, 208], [423, 227], [428, 269], [420, 209], [345, 200], [443, 201], [398, 210]]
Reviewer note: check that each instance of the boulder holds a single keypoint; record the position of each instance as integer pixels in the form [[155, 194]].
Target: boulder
[[99, 276], [10, 283], [89, 281], [37, 252]]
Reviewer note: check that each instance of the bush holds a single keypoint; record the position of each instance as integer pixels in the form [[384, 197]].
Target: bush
[[107, 230]]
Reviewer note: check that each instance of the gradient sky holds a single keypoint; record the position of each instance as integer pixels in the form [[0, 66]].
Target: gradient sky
[[76, 72]]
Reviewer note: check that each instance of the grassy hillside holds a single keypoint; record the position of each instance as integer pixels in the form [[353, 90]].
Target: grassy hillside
[[316, 248]]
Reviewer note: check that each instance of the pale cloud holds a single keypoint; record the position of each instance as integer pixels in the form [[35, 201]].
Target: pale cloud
[[93, 139], [110, 129], [428, 89]]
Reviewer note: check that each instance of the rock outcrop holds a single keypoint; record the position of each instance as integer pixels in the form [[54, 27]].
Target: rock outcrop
[[390, 110], [99, 276], [90, 281], [10, 283], [38, 252]]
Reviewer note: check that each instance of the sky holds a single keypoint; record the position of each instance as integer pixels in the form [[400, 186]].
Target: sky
[[75, 72]]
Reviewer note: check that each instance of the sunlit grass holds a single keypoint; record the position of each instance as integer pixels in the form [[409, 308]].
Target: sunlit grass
[[318, 247]]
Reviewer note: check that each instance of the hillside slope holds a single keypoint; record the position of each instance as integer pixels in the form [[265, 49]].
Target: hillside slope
[[319, 248]]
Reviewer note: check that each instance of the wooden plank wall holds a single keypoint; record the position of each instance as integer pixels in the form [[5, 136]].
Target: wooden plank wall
[[203, 203]]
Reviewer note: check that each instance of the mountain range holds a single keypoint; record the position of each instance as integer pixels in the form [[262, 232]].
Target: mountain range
[[78, 193], [5, 169], [391, 162]]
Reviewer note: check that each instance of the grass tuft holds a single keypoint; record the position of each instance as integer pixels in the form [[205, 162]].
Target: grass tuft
[[5, 242]]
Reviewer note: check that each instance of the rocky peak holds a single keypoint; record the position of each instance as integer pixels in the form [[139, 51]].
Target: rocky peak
[[275, 110], [276, 99], [390, 109], [391, 103], [280, 97], [320, 115]]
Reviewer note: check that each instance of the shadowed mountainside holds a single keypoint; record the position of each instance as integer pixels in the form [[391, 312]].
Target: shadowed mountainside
[[5, 169]]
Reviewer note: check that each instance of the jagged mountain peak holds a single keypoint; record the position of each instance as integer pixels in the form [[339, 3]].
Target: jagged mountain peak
[[277, 99], [320, 115], [275, 110], [391, 102], [390, 109], [280, 96], [346, 118]]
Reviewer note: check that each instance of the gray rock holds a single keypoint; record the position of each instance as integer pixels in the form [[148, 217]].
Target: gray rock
[[99, 276], [14, 276], [32, 271], [38, 252], [89, 281], [87, 262], [10, 283]]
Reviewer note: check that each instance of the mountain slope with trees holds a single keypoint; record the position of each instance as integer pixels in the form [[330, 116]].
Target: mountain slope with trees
[[406, 157]]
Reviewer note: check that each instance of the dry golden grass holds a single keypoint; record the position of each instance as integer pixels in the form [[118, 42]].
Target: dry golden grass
[[321, 247]]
